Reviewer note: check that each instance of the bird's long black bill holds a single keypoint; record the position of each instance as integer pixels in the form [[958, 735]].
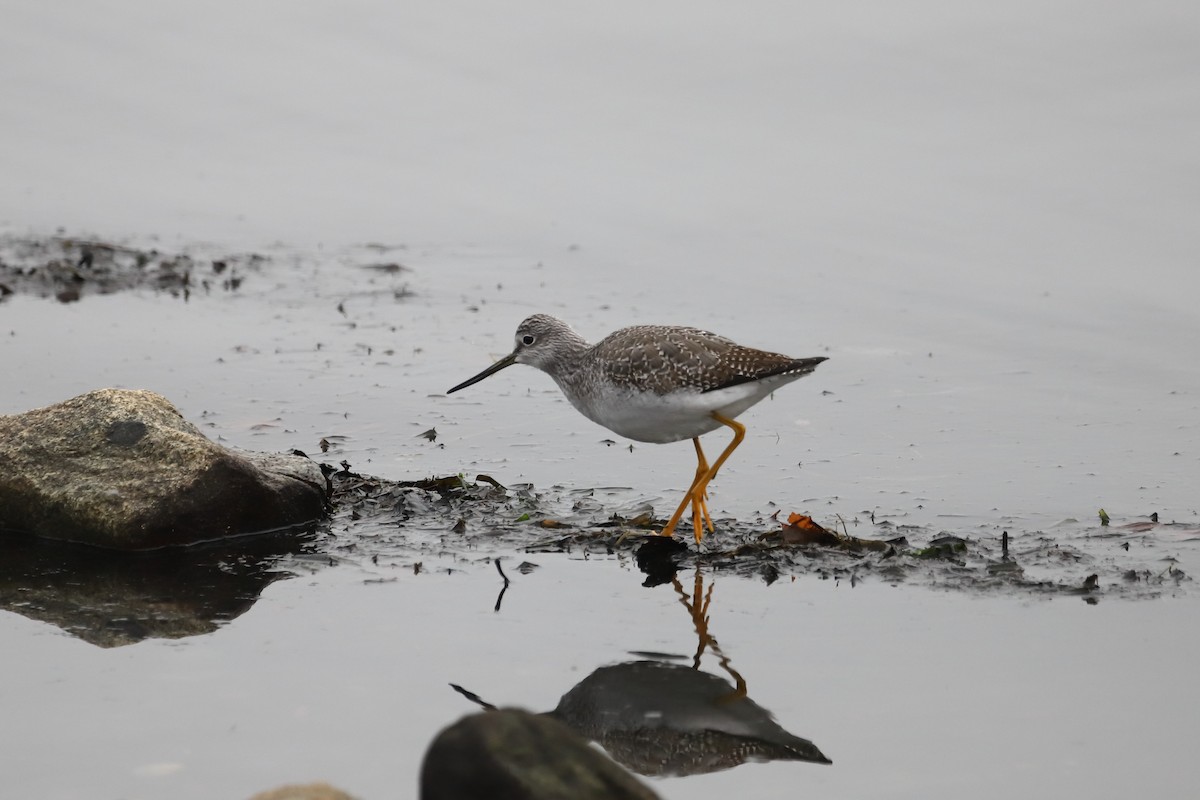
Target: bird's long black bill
[[507, 361]]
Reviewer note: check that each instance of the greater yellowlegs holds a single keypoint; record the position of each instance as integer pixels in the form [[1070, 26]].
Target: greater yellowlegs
[[656, 383]]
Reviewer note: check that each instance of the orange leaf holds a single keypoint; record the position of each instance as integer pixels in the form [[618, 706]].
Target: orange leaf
[[802, 530]]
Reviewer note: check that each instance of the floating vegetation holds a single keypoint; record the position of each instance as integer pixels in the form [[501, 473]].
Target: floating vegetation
[[457, 517]]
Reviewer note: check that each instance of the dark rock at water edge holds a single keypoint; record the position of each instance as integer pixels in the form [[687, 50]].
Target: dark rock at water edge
[[514, 755], [123, 469]]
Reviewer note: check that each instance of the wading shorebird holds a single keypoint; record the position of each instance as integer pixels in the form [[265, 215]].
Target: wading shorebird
[[656, 383]]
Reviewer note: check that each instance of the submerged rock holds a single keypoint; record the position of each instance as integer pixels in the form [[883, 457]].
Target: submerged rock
[[514, 755], [123, 469], [307, 791]]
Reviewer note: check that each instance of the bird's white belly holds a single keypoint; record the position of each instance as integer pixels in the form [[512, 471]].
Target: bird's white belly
[[648, 417]]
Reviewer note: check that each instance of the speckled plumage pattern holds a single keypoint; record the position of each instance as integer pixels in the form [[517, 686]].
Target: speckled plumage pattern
[[664, 359]]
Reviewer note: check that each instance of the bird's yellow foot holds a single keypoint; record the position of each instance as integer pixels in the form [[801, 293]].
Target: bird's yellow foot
[[700, 516]]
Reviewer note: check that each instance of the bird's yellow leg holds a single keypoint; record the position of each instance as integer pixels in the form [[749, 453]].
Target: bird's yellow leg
[[700, 486], [689, 495], [698, 491], [700, 504]]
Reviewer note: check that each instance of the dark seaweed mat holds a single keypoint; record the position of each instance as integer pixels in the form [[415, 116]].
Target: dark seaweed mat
[[406, 524]]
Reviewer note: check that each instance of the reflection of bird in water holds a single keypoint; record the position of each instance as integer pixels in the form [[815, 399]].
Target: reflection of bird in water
[[660, 718], [656, 383]]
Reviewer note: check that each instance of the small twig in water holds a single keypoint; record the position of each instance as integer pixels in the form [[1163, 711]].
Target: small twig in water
[[1170, 570], [474, 698], [500, 597]]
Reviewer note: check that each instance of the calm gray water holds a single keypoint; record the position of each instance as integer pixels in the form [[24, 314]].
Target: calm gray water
[[984, 215], [341, 673]]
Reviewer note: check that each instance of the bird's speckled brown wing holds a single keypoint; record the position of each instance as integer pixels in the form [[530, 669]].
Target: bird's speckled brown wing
[[666, 358]]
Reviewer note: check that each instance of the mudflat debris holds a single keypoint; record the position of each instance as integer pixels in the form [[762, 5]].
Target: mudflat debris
[[71, 268], [454, 517]]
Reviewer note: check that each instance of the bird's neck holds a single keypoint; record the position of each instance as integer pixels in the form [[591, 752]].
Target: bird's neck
[[569, 359]]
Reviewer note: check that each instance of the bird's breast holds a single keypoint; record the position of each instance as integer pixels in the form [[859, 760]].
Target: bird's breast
[[659, 418]]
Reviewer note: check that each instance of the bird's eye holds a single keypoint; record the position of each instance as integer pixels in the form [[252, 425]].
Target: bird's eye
[[528, 339]]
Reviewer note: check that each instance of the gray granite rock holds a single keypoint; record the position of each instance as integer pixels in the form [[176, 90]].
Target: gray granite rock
[[123, 469]]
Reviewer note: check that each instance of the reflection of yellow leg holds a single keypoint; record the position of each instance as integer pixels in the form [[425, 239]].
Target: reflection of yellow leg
[[699, 611], [704, 640]]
